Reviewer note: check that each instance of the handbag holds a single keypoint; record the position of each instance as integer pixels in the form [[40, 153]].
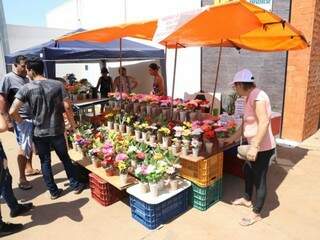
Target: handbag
[[244, 148]]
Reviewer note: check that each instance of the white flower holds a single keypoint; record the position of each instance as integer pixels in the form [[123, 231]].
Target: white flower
[[132, 149], [177, 166], [170, 170], [150, 169], [138, 170]]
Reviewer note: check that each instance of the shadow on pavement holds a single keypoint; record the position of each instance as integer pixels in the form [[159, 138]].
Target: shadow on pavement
[[38, 184], [48, 213], [287, 158]]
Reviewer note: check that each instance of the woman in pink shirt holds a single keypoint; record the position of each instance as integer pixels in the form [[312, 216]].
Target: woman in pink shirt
[[257, 130]]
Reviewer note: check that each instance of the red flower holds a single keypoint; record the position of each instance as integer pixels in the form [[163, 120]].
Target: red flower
[[140, 155]]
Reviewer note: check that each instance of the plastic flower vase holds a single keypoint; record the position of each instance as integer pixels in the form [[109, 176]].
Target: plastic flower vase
[[137, 134], [209, 147], [173, 185], [165, 142], [123, 178], [129, 130], [195, 152], [122, 128], [144, 136], [110, 125], [153, 139], [144, 187], [154, 189], [183, 116], [116, 127], [184, 150]]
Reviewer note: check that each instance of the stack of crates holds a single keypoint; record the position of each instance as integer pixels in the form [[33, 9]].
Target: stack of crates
[[103, 192], [206, 178]]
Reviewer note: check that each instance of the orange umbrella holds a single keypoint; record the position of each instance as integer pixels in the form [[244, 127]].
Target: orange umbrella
[[237, 24], [143, 30]]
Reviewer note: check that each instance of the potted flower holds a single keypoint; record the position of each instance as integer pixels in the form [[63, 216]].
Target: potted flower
[[153, 134], [186, 136], [94, 157], [117, 122], [121, 161], [192, 106], [137, 130], [222, 134], [108, 153], [129, 123], [144, 129], [195, 147], [110, 120], [122, 121], [141, 173], [172, 170], [165, 132], [208, 134], [178, 135], [153, 178]]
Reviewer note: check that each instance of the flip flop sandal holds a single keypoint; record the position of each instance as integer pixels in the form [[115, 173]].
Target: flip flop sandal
[[240, 203], [24, 186], [245, 222], [33, 173]]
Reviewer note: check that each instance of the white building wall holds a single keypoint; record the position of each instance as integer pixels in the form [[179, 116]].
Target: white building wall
[[90, 14]]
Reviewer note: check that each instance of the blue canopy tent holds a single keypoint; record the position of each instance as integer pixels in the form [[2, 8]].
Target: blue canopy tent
[[80, 51]]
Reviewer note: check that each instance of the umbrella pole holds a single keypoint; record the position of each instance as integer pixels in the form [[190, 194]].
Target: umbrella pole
[[217, 76], [174, 79], [120, 79]]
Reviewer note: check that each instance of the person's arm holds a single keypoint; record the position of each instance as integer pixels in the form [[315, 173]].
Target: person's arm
[[69, 113], [14, 110], [3, 123], [263, 125], [235, 137]]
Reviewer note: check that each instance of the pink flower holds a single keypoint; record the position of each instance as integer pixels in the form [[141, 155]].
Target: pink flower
[[121, 157], [140, 155]]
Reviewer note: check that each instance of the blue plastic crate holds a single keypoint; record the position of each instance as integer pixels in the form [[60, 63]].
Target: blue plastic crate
[[152, 216]]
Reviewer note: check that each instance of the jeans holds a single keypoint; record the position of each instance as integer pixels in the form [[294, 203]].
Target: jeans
[[255, 174], [58, 143], [6, 183]]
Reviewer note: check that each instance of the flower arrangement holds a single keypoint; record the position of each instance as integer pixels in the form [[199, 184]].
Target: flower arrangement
[[121, 162], [221, 132], [141, 172], [231, 127], [144, 127], [164, 131], [178, 132]]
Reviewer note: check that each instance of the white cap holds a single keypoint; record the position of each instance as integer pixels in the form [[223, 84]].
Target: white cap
[[244, 75]]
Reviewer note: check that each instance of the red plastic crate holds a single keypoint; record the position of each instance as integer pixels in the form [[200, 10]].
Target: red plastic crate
[[103, 192]]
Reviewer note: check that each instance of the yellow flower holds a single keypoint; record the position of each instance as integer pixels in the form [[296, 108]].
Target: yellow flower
[[122, 166], [158, 156], [187, 124]]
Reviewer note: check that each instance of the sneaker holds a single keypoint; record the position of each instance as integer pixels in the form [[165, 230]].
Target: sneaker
[[9, 228], [21, 209], [57, 195], [80, 188]]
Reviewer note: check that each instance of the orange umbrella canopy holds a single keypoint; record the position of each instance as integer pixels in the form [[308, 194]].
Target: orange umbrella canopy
[[237, 24], [143, 30]]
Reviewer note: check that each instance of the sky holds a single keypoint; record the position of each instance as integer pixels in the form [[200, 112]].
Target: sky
[[28, 12]]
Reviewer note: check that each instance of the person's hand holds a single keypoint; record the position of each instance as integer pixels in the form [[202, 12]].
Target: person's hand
[[252, 153]]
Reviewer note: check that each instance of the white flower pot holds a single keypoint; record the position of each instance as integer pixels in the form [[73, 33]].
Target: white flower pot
[[116, 127], [154, 189], [186, 142], [144, 187], [178, 144], [195, 152], [76, 147], [161, 185], [144, 136], [122, 128], [152, 139], [166, 113], [137, 134], [123, 178], [209, 147], [165, 142], [184, 151], [128, 130], [110, 125], [183, 116], [173, 185]]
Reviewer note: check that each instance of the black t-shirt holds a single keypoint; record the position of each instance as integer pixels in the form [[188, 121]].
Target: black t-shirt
[[105, 86]]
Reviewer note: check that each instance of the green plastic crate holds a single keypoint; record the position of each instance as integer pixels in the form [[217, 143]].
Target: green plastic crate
[[204, 197]]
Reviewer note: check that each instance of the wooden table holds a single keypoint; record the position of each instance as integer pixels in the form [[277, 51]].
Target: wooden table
[[113, 180]]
